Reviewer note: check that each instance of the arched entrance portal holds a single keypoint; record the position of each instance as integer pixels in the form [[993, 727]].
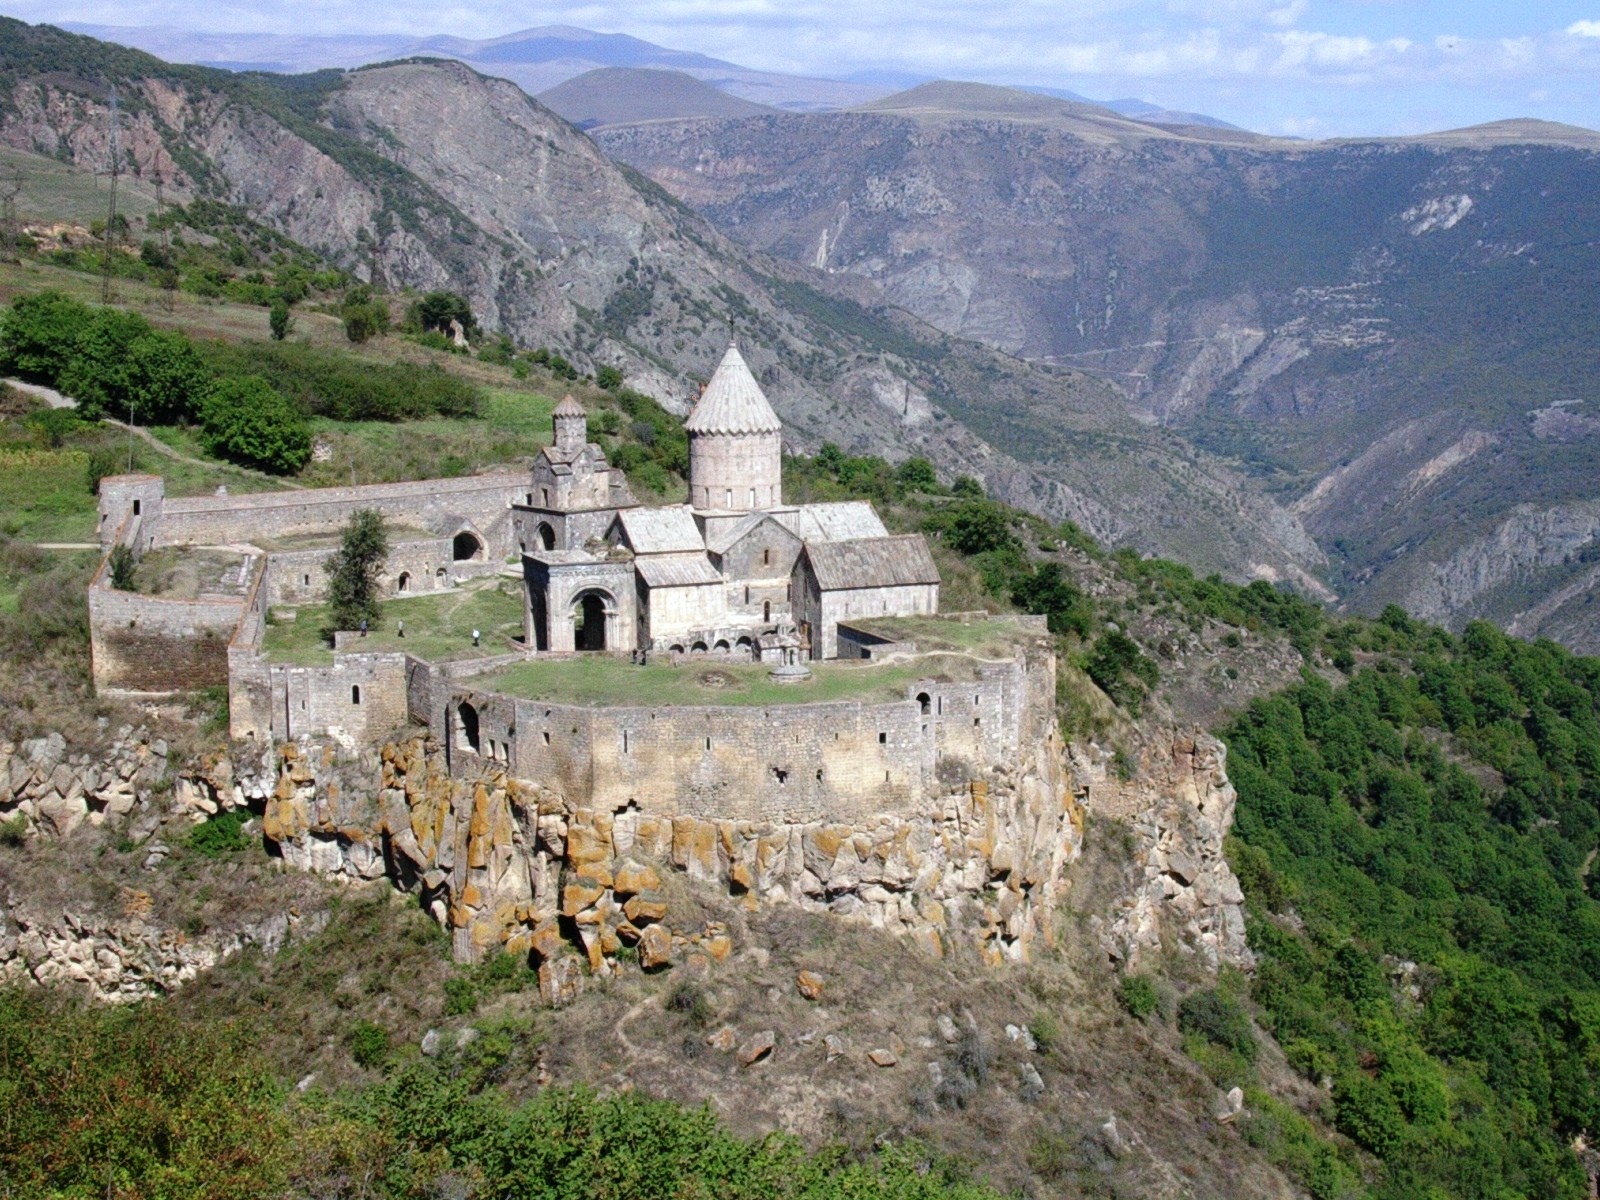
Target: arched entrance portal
[[589, 615], [547, 536], [466, 546]]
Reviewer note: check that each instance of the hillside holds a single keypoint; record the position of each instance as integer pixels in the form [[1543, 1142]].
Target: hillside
[[1389, 338], [624, 95], [427, 175], [1404, 996]]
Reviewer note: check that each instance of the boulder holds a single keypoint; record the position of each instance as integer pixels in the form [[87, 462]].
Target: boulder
[[883, 1057], [655, 947], [757, 1048], [810, 985]]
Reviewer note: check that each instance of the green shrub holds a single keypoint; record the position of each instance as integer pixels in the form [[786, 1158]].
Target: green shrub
[[247, 421], [1137, 995], [14, 830], [460, 996], [1218, 1019], [37, 335], [102, 462], [1045, 1030], [220, 835], [121, 563], [369, 1043], [54, 425]]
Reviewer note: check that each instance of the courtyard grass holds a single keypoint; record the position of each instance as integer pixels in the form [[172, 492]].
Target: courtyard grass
[[438, 627], [602, 681]]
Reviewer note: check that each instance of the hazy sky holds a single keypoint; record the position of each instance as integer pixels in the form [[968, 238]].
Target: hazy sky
[[1308, 67]]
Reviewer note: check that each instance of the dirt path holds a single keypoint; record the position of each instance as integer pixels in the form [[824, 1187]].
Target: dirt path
[[56, 400]]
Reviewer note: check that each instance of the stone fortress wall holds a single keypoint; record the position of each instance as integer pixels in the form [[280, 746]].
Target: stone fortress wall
[[545, 846], [143, 644]]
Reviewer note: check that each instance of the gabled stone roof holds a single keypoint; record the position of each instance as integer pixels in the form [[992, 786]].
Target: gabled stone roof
[[872, 563], [677, 570], [661, 531], [840, 521], [733, 402]]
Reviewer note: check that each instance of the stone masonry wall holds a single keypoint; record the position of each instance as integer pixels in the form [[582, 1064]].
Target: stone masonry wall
[[544, 862], [484, 500], [149, 644]]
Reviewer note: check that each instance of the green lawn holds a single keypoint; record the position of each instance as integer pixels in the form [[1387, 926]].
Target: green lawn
[[514, 423], [438, 627], [44, 495], [601, 680]]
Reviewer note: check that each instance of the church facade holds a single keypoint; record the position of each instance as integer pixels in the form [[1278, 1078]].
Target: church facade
[[735, 571]]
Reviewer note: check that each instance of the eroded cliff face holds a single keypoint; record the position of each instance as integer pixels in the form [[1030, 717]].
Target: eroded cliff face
[[509, 864], [1181, 895]]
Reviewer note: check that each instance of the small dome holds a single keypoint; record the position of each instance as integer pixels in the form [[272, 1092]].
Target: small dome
[[568, 408], [733, 402]]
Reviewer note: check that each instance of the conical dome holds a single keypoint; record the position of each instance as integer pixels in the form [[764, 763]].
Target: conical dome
[[733, 402]]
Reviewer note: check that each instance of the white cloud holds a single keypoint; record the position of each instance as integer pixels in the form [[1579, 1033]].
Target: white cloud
[[1590, 29]]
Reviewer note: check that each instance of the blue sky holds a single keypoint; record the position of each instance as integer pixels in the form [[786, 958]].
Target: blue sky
[[1307, 67]]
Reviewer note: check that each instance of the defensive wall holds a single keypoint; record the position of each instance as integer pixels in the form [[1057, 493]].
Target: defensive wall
[[552, 833], [482, 501]]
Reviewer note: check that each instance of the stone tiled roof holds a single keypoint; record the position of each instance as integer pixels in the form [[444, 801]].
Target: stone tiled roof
[[733, 402], [837, 522], [872, 562], [661, 531], [568, 408], [677, 570]]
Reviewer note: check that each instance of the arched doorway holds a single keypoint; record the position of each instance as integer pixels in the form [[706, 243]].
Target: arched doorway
[[722, 646], [698, 648], [403, 584], [744, 646], [589, 614], [465, 546], [467, 727], [547, 536]]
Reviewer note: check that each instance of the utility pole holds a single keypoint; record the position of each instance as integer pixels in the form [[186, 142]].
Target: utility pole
[[169, 273], [10, 188], [114, 155]]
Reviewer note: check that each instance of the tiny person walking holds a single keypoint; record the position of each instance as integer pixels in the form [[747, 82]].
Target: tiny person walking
[[363, 627], [400, 629], [475, 636]]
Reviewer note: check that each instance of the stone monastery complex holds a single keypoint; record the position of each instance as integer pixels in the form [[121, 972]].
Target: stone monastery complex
[[730, 679]]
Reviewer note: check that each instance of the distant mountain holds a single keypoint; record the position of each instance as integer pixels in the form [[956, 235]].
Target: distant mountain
[[535, 59], [1141, 110], [948, 100], [623, 95], [1396, 338], [544, 57], [430, 175]]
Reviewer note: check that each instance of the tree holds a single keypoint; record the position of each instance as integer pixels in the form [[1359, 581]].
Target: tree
[[354, 568], [246, 420], [165, 378], [122, 563], [979, 525], [365, 315], [968, 487], [37, 334], [1047, 591], [916, 475], [278, 319], [437, 309], [608, 379], [98, 373]]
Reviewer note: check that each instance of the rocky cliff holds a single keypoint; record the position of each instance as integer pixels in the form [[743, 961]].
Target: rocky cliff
[[426, 174], [1392, 338]]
